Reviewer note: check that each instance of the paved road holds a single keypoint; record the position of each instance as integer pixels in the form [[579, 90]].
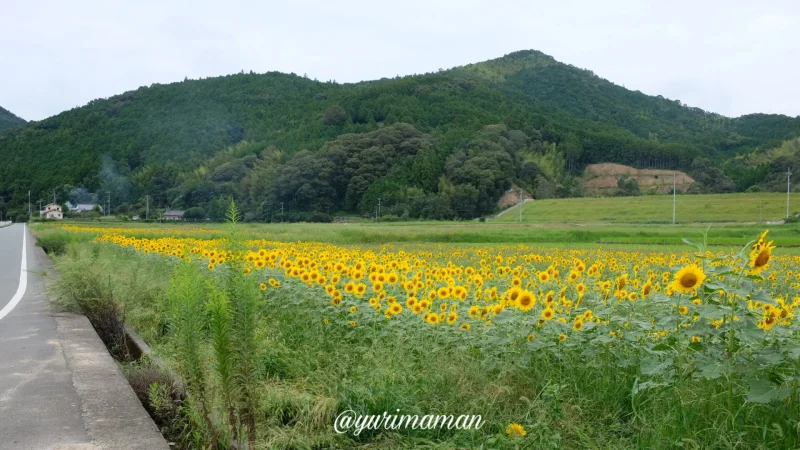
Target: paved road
[[39, 405]]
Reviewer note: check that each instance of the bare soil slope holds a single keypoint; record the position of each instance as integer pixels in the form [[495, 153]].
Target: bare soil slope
[[602, 178]]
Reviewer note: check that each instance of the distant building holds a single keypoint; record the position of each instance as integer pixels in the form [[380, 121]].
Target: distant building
[[84, 207], [173, 214], [51, 211]]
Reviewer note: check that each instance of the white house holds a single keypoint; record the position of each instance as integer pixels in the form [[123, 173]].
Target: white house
[[52, 211], [173, 214]]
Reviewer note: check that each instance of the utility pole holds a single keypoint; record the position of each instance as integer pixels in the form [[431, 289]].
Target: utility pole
[[29, 204], [674, 186], [281, 212], [378, 209], [147, 207], [519, 205], [788, 189], [108, 211]]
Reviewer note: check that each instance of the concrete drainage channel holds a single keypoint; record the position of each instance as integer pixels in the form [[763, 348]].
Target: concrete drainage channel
[[112, 413]]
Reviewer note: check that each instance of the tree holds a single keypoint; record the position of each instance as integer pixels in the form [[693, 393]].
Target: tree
[[335, 116], [710, 177], [194, 213], [464, 201], [627, 187]]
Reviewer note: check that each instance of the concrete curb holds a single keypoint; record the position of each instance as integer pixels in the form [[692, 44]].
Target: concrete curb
[[111, 412]]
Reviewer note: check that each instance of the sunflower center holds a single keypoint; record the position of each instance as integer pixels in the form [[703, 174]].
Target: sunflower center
[[762, 259], [689, 280]]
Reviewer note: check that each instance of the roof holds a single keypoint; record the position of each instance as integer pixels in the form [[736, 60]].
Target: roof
[[173, 212], [83, 206]]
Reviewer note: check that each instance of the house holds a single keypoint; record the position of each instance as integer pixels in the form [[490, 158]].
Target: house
[[84, 207], [173, 214], [52, 211]]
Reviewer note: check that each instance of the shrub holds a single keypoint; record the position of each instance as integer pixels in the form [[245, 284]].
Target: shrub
[[319, 217], [54, 243], [81, 289]]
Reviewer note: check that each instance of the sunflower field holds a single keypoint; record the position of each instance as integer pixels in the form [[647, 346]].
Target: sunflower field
[[554, 347]]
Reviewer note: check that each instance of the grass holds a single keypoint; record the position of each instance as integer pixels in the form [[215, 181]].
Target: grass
[[630, 236], [711, 208]]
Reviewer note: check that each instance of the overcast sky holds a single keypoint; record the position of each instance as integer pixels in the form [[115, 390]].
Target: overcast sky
[[732, 57]]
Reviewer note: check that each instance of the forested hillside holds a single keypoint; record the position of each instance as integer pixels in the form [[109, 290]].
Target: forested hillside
[[8, 120], [437, 145]]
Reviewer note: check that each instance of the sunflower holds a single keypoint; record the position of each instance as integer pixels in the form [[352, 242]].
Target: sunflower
[[695, 339], [465, 326], [761, 254], [451, 319], [263, 286], [562, 337], [688, 279], [548, 313], [525, 301], [543, 277], [683, 310], [516, 430], [432, 319], [578, 324]]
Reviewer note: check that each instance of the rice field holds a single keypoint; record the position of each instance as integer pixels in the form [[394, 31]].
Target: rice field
[[710, 208], [555, 346]]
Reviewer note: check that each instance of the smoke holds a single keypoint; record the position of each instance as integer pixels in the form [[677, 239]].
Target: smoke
[[112, 181], [82, 195]]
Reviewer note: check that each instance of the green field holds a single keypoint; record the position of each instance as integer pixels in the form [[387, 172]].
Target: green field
[[641, 236], [750, 207]]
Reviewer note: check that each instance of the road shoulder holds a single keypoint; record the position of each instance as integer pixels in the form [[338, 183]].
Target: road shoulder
[[112, 414]]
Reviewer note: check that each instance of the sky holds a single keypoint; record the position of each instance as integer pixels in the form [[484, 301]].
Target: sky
[[731, 57]]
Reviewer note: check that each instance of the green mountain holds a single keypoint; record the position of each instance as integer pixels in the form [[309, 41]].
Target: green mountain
[[8, 120], [442, 144]]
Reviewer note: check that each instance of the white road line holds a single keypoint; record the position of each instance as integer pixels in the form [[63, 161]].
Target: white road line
[[23, 278]]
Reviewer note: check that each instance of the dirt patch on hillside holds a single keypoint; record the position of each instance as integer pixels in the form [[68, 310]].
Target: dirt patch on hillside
[[511, 198], [602, 178]]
